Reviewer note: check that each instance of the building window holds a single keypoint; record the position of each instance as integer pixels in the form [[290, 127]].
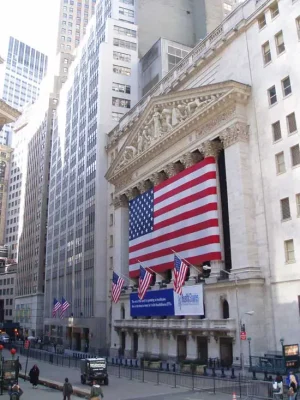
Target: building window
[[116, 116], [111, 263], [120, 87], [119, 69], [280, 164], [111, 219], [130, 2], [121, 56], [286, 86], [111, 241], [298, 27], [295, 155], [175, 55], [291, 123], [120, 102], [66, 61], [261, 21], [298, 204], [274, 9], [124, 31], [280, 46], [126, 12], [272, 95], [63, 38], [125, 44], [289, 251], [285, 209], [276, 131], [266, 53], [65, 69]]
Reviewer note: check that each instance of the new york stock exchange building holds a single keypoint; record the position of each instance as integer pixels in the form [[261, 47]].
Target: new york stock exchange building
[[194, 170]]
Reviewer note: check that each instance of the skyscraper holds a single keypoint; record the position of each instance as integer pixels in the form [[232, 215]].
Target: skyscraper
[[73, 19], [102, 85], [25, 68]]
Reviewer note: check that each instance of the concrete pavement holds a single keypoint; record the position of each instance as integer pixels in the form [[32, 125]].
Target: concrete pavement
[[118, 389]]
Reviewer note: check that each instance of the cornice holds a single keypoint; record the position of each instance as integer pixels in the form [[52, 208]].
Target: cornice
[[7, 112]]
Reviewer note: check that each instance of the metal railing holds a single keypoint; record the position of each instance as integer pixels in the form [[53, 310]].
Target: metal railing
[[216, 384]]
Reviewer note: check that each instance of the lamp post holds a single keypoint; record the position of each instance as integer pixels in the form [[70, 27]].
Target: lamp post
[[282, 341], [239, 320], [249, 343]]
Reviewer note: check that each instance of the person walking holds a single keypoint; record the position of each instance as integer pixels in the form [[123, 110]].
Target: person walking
[[278, 387], [96, 392], [34, 376], [292, 384], [15, 393], [67, 389]]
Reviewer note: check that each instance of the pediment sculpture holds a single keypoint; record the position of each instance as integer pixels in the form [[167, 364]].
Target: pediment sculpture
[[162, 121]]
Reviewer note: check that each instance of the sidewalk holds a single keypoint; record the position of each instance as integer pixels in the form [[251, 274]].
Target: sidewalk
[[118, 389]]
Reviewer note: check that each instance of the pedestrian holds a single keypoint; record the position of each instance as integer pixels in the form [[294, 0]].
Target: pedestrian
[[15, 393], [292, 384], [96, 392], [278, 387], [67, 389], [34, 376]]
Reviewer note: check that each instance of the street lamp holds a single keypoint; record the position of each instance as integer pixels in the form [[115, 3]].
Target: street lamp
[[239, 320], [249, 343], [282, 341]]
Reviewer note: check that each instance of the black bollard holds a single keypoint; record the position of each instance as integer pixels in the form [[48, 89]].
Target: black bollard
[[213, 372], [223, 373], [205, 371], [232, 374], [174, 367], [254, 376]]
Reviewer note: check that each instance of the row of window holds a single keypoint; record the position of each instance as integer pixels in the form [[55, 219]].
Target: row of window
[[117, 102], [125, 44], [280, 48], [120, 87], [291, 127], [295, 159], [121, 56], [116, 116], [285, 207], [119, 69], [286, 90], [124, 31], [126, 12], [8, 281]]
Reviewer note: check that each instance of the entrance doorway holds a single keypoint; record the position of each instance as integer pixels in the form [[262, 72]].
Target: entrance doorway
[[135, 344], [202, 350], [226, 352], [181, 347], [123, 344], [77, 341]]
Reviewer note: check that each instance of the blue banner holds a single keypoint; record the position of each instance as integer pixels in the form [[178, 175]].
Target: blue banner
[[155, 303], [166, 302]]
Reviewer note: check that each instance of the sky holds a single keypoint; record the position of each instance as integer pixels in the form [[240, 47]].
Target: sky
[[32, 21]]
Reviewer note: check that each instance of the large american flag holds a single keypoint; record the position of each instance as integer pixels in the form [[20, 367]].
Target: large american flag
[[56, 307], [117, 284], [180, 270], [64, 306], [179, 214], [144, 282]]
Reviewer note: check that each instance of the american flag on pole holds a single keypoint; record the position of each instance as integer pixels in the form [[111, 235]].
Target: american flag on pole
[[117, 284], [56, 307], [144, 282], [179, 214], [180, 270], [64, 306]]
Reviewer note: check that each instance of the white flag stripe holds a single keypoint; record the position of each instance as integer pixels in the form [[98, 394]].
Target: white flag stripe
[[175, 227], [210, 248], [205, 233], [211, 183], [187, 178], [187, 207]]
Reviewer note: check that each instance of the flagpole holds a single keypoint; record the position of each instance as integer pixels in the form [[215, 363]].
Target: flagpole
[[129, 280], [189, 264], [154, 272]]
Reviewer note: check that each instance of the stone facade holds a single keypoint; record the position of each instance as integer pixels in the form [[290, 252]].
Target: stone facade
[[215, 103]]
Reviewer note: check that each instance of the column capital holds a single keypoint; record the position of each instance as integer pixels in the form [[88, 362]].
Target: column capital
[[156, 178], [210, 148], [170, 170], [120, 201], [238, 132], [187, 160], [143, 187], [130, 194]]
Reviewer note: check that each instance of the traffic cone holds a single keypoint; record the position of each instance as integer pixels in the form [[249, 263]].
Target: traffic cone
[[233, 396]]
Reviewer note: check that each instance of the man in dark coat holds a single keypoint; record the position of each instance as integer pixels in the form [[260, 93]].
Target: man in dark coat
[[34, 376]]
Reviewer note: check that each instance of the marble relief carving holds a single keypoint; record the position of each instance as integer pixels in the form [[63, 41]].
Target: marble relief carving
[[162, 121]]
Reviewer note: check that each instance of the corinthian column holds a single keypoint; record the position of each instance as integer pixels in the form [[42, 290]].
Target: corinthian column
[[170, 170], [240, 196], [210, 148]]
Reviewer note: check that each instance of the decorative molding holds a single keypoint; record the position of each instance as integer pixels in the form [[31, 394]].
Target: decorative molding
[[120, 201], [142, 187], [187, 160], [130, 194], [238, 132], [170, 170], [156, 178]]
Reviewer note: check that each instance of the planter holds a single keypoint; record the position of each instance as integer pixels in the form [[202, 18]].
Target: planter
[[186, 368], [200, 369], [154, 364]]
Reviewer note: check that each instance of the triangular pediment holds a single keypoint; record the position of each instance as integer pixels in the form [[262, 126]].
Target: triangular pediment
[[164, 115]]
